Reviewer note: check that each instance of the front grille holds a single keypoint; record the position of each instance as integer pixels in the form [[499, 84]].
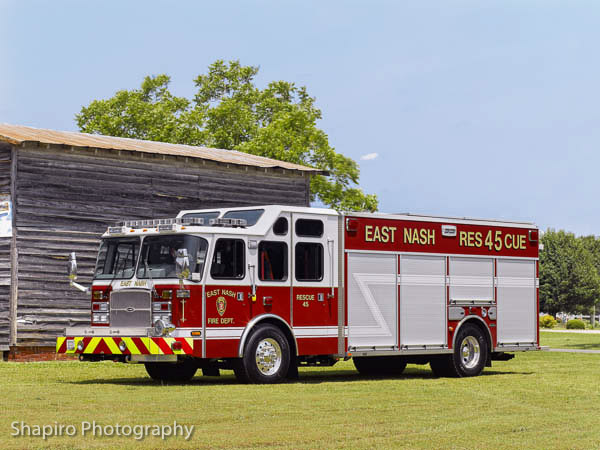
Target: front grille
[[131, 308]]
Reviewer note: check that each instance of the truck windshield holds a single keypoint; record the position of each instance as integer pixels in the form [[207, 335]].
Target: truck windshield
[[159, 253], [116, 258]]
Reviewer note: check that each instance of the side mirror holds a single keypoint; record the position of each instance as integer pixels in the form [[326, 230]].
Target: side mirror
[[182, 264], [72, 267], [73, 274]]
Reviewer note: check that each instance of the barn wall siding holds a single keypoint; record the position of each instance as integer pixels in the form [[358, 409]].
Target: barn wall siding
[[5, 160], [67, 197]]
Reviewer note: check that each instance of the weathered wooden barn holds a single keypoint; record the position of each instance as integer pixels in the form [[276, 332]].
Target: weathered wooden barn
[[60, 190]]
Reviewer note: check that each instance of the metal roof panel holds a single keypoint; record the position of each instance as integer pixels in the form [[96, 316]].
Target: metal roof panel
[[18, 134]]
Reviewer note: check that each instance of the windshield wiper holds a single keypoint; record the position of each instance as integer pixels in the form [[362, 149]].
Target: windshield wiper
[[117, 268], [149, 272]]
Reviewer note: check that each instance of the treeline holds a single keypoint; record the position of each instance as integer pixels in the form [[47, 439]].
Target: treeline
[[569, 272]]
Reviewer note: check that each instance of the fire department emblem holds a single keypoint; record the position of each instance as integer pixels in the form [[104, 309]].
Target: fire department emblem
[[221, 305]]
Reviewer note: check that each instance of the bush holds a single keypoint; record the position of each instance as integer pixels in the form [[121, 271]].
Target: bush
[[575, 324], [547, 321]]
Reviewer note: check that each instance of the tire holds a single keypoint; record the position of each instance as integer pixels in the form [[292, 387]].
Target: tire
[[179, 372], [441, 366], [266, 357], [379, 365], [469, 357]]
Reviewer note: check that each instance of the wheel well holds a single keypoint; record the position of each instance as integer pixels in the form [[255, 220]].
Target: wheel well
[[475, 320], [276, 322]]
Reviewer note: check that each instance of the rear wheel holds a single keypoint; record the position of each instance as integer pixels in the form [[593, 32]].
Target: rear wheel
[[441, 366], [469, 357], [172, 372], [266, 357], [379, 365]]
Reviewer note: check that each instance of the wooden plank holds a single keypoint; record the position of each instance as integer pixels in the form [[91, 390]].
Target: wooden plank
[[14, 271]]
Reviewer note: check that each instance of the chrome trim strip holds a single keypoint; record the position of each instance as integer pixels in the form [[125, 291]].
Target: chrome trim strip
[[400, 352], [108, 331], [517, 348]]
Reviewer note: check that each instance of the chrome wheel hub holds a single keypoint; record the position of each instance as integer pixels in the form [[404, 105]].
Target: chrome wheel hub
[[268, 356], [470, 352]]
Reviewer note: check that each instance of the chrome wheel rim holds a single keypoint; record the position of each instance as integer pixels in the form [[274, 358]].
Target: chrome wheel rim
[[268, 356], [470, 352]]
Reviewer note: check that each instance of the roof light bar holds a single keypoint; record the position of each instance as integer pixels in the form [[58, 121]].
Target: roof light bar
[[151, 223], [192, 221], [161, 224], [117, 230], [227, 222]]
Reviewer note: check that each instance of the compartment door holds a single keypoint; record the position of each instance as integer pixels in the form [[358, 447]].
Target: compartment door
[[372, 300], [517, 302], [422, 301]]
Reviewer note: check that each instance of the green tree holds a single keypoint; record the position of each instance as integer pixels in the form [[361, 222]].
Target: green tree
[[592, 243], [569, 280], [229, 111]]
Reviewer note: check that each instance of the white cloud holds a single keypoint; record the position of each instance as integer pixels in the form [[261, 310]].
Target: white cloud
[[369, 156]]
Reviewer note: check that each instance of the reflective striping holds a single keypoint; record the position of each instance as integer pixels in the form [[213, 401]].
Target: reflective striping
[[60, 342], [91, 346], [131, 346], [113, 347], [164, 345], [135, 345], [139, 343]]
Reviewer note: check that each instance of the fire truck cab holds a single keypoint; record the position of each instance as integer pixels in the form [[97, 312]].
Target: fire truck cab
[[262, 290]]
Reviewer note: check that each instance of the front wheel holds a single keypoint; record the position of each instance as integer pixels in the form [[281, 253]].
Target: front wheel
[[266, 357]]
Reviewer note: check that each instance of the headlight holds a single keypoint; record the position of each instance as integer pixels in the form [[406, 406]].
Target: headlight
[[100, 318], [80, 346], [122, 346]]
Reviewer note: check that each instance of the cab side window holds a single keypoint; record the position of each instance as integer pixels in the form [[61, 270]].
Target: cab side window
[[309, 228], [309, 261], [229, 259], [280, 227], [272, 261]]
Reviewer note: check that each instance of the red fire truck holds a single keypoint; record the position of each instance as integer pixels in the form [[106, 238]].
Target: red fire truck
[[264, 290]]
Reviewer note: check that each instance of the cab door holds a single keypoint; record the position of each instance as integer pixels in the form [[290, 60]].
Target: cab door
[[315, 285], [226, 295], [269, 259]]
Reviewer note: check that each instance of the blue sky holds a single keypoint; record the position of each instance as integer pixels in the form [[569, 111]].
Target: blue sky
[[474, 108]]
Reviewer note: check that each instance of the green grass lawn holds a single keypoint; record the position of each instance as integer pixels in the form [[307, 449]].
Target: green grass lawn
[[537, 400], [581, 341]]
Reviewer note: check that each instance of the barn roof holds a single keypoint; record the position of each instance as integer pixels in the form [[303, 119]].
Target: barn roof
[[18, 134]]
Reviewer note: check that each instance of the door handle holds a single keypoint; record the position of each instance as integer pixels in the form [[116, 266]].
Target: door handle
[[267, 301]]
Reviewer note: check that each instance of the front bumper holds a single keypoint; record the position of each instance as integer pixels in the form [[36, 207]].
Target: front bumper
[[132, 346]]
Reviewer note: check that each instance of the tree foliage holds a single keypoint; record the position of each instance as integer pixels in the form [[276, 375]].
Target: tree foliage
[[229, 111], [569, 278]]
